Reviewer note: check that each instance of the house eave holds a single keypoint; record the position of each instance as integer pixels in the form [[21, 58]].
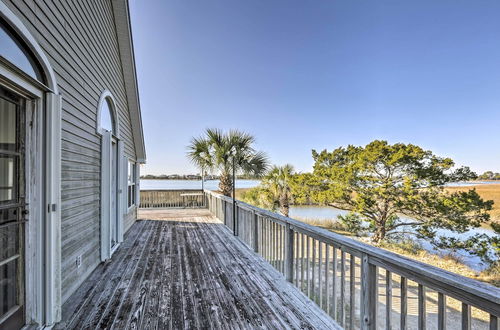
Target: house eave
[[126, 47]]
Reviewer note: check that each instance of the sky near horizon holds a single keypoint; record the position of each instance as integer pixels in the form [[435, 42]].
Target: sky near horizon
[[302, 75]]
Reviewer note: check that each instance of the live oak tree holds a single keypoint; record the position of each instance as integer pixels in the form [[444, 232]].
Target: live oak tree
[[396, 189], [220, 152]]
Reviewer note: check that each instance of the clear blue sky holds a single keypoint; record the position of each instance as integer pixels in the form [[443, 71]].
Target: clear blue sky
[[320, 74]]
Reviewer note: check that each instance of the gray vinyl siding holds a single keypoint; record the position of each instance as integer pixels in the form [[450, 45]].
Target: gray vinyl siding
[[130, 218], [79, 38]]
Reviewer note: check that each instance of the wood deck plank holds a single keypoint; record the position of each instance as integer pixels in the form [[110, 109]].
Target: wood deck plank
[[187, 271]]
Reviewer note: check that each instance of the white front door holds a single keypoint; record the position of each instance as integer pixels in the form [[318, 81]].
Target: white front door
[[114, 195], [110, 215]]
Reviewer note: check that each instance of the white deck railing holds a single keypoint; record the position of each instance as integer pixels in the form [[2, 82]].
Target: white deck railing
[[359, 285], [172, 198]]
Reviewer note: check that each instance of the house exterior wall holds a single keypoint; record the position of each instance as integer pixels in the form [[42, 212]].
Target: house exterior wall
[[80, 40]]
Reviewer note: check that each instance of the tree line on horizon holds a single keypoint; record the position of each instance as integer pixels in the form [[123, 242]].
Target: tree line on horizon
[[189, 177], [489, 175]]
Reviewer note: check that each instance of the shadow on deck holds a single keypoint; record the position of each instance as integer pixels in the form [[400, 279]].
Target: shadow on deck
[[188, 271]]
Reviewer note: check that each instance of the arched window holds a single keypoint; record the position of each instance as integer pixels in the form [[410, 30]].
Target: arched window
[[107, 121], [106, 115], [14, 51]]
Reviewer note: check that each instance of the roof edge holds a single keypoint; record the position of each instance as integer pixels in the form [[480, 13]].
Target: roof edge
[[127, 56]]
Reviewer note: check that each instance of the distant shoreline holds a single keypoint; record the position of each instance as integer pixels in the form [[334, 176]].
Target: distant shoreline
[[197, 179]]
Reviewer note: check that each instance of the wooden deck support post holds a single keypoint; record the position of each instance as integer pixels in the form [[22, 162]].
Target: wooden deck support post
[[368, 294], [289, 253]]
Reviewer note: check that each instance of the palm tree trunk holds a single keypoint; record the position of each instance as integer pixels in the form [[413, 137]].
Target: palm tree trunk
[[284, 205], [226, 184]]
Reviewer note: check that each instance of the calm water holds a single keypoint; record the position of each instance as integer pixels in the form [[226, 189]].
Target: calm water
[[328, 213], [471, 183], [192, 184]]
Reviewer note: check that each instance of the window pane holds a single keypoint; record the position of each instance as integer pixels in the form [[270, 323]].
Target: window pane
[[107, 122], [7, 166], [16, 54], [9, 238], [8, 286], [7, 125], [129, 172]]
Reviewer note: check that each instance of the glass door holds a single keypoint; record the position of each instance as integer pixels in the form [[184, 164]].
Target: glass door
[[12, 210]]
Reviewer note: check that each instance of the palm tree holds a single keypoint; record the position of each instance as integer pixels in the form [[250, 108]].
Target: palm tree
[[199, 154], [228, 154], [276, 186]]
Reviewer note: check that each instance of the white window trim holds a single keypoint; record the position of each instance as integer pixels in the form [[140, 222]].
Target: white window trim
[[106, 95], [136, 184]]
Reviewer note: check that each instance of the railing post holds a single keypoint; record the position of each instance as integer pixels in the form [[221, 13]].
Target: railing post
[[235, 218], [289, 244], [224, 211], [368, 294], [255, 232]]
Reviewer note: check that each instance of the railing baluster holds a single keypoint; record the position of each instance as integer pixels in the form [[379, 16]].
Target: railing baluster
[[276, 247], [255, 232], [466, 317], [297, 256], [404, 301], [422, 313], [388, 300], [327, 278], [320, 273], [308, 269], [289, 255], [313, 269], [273, 243], [342, 288], [283, 248], [334, 283], [441, 311], [352, 291], [302, 261]]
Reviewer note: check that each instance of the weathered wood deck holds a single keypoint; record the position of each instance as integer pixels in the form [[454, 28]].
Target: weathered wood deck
[[187, 272]]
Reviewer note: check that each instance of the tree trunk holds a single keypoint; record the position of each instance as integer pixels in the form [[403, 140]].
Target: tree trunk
[[379, 234], [226, 184], [284, 205]]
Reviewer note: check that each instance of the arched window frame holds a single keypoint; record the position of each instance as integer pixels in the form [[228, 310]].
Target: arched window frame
[[32, 45], [106, 96]]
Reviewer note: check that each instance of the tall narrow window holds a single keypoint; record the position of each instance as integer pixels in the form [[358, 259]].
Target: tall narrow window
[[131, 183]]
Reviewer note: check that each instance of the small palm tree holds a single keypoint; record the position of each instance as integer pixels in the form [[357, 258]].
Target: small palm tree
[[228, 154], [276, 187]]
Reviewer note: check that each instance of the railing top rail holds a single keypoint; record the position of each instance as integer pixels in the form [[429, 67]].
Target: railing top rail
[[198, 190], [454, 285]]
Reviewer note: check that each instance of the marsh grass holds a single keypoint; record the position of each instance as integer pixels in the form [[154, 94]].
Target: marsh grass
[[487, 192]]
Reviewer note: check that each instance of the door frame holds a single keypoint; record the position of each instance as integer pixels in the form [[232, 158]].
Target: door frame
[[43, 230], [107, 138], [43, 233]]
